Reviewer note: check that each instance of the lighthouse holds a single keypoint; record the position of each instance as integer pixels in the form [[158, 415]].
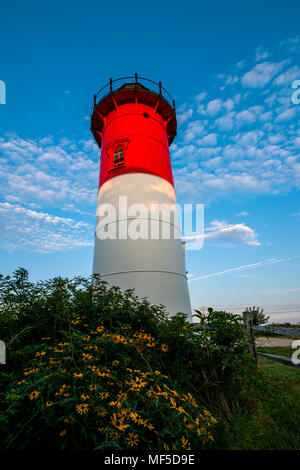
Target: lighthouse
[[137, 241]]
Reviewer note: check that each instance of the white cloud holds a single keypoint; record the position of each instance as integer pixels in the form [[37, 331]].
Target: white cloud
[[245, 267], [42, 171], [248, 140], [261, 54], [228, 104], [267, 116], [201, 96], [39, 179], [277, 291], [183, 117], [231, 234], [262, 74], [212, 162], [291, 44], [226, 123], [194, 129], [40, 231], [214, 107], [231, 80], [288, 76], [286, 115], [222, 233], [297, 142], [245, 116], [209, 140]]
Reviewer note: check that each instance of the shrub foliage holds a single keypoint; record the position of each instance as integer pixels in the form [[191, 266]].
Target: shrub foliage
[[92, 367]]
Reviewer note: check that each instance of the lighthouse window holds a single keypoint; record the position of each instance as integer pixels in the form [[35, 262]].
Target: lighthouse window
[[118, 157]]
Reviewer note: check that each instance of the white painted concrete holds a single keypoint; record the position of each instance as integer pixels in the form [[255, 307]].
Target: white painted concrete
[[155, 268]]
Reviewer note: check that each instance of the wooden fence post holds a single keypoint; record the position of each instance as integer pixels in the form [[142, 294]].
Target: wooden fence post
[[249, 331]]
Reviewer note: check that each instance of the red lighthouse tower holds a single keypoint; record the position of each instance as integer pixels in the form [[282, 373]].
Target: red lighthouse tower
[[134, 125]]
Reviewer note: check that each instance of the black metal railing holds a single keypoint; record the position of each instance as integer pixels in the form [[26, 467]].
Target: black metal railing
[[113, 85]]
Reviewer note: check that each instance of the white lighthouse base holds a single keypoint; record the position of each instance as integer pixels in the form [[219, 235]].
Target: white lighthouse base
[[155, 268]]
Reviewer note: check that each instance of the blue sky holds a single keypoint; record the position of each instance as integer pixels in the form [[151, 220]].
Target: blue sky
[[230, 67]]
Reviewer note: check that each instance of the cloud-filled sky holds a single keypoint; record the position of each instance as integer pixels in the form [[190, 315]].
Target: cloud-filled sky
[[237, 149]]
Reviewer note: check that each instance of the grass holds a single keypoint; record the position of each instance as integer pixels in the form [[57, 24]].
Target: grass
[[287, 379], [274, 422], [285, 351]]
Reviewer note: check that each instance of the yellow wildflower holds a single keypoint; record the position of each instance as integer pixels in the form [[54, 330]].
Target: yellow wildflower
[[114, 435], [133, 416], [84, 397], [118, 423], [185, 443], [82, 408], [137, 384], [115, 403], [132, 439], [34, 395], [122, 396]]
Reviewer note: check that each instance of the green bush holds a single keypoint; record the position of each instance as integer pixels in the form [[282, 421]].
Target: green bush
[[92, 367], [257, 315]]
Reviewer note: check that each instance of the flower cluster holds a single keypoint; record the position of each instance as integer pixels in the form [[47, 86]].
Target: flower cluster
[[90, 382]]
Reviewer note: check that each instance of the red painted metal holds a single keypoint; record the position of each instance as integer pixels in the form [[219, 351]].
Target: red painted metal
[[142, 124]]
